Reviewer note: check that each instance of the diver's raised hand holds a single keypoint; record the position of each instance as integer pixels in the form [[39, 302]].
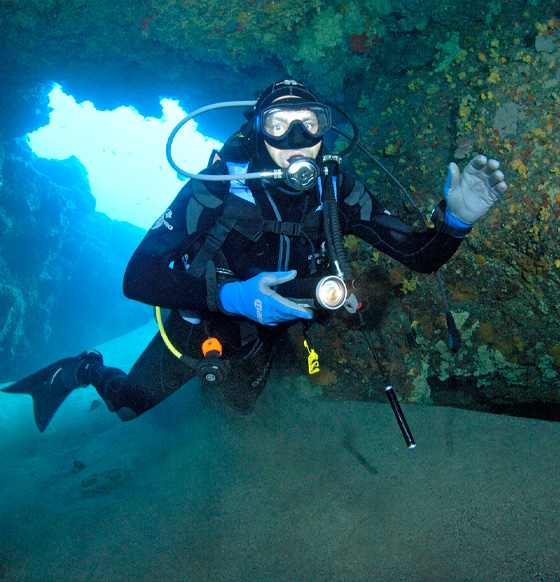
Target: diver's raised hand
[[256, 299], [471, 193]]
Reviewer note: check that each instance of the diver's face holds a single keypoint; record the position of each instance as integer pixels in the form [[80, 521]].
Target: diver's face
[[279, 123], [281, 157]]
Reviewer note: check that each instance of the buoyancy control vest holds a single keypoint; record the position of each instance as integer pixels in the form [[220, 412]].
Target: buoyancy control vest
[[240, 213]]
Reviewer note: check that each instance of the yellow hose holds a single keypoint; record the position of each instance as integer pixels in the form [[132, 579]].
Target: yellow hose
[[167, 341]]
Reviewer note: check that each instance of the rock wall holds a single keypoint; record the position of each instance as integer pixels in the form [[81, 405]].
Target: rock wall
[[491, 89], [61, 264], [427, 82]]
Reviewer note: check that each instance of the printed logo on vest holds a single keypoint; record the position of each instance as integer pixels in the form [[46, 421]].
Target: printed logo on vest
[[161, 221]]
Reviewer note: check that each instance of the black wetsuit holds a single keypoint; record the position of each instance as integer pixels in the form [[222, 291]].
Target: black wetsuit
[[158, 275]]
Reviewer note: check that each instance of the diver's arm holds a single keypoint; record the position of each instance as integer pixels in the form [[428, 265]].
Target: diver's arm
[[364, 217], [468, 197], [425, 252], [149, 277]]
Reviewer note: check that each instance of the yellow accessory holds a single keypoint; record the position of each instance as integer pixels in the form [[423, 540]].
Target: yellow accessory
[[164, 337], [312, 359]]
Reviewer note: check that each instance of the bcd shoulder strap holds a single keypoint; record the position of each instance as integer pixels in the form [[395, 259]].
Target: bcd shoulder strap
[[238, 214]]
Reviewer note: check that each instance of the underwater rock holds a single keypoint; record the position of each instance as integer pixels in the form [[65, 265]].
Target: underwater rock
[[61, 264], [507, 117]]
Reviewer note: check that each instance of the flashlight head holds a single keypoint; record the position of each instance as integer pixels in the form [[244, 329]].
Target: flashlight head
[[331, 292]]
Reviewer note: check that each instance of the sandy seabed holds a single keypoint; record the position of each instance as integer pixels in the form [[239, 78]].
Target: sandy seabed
[[302, 489]]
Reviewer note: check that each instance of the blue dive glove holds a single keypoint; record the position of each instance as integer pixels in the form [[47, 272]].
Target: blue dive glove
[[470, 194], [256, 299]]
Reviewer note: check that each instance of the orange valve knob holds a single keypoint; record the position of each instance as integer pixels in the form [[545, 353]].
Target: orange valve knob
[[212, 347]]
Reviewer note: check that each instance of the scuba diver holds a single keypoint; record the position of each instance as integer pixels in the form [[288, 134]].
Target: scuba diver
[[251, 246]]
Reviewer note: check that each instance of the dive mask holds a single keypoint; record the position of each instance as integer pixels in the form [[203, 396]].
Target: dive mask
[[294, 125]]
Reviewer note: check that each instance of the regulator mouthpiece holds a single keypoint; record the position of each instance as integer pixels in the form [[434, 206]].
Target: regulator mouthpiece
[[302, 173], [331, 292]]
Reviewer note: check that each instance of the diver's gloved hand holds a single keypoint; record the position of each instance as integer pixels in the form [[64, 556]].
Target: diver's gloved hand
[[256, 299], [470, 194]]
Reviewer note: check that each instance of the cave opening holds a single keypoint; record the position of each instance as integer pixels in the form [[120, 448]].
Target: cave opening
[[123, 153]]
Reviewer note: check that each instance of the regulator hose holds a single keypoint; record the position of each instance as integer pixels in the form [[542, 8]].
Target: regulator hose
[[333, 233]]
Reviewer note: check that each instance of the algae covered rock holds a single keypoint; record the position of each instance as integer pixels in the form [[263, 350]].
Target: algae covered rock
[[61, 264]]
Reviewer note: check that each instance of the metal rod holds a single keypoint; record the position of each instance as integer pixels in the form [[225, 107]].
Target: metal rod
[[409, 439], [397, 410]]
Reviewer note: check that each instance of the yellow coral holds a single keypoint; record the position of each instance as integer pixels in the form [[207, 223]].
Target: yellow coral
[[416, 84], [390, 150], [523, 170], [409, 285], [544, 213], [461, 56], [350, 241]]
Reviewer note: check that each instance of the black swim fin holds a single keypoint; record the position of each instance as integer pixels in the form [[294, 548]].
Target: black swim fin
[[50, 386]]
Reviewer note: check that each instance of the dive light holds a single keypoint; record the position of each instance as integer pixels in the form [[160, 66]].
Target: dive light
[[331, 292]]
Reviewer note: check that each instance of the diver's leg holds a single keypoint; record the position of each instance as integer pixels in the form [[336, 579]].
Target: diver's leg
[[156, 375], [248, 375], [50, 386]]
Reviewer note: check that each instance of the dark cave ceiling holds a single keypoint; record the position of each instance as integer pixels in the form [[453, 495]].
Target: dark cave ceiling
[[135, 52]]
